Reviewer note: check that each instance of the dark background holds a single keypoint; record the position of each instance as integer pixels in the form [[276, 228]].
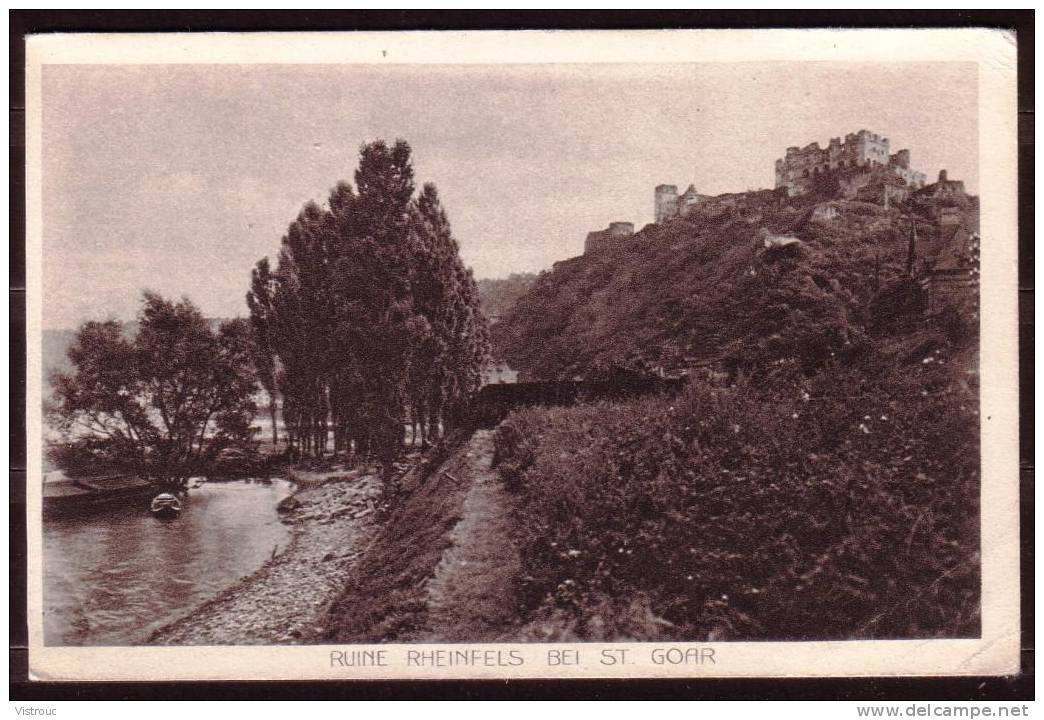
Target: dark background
[[1018, 687]]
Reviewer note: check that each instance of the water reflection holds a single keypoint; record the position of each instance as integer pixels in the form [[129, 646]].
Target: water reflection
[[113, 576]]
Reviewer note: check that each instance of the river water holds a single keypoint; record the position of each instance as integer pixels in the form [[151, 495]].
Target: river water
[[114, 575]]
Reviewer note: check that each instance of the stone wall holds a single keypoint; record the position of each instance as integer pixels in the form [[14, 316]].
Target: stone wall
[[665, 202], [799, 168], [598, 239]]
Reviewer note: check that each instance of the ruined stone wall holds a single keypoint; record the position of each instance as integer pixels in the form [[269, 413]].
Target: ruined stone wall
[[598, 239], [798, 169], [665, 202]]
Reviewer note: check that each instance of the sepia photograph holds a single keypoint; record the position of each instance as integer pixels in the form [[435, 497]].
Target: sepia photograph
[[522, 355]]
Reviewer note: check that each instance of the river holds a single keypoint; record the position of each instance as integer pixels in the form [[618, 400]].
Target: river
[[114, 575]]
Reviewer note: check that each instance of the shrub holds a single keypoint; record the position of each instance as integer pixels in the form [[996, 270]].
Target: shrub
[[844, 505], [956, 326], [898, 301]]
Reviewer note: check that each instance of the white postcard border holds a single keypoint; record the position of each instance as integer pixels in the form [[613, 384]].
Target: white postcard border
[[997, 652]]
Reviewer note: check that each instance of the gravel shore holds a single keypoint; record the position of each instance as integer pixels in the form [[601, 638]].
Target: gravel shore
[[285, 601]]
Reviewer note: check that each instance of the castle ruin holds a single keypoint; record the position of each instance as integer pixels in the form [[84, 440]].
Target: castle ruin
[[599, 239], [669, 204], [861, 162]]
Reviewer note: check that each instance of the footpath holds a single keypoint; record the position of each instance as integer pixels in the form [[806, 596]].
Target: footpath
[[441, 567], [469, 596]]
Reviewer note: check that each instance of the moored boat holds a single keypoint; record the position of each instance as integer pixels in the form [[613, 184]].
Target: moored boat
[[62, 493], [165, 505]]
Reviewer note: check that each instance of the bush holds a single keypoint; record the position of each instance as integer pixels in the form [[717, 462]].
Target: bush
[[512, 453], [956, 326], [898, 301], [844, 505]]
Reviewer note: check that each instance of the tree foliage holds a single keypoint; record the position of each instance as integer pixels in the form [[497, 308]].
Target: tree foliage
[[163, 403], [369, 318]]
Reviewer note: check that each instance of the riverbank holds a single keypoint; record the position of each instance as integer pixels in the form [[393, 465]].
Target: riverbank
[[285, 601], [440, 566]]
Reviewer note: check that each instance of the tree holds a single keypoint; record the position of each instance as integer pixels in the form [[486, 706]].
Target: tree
[[262, 319], [163, 404], [455, 346], [370, 313]]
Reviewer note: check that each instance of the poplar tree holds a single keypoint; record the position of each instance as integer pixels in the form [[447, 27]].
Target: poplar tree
[[370, 314], [262, 319]]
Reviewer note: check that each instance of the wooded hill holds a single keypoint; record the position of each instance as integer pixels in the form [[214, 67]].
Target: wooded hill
[[716, 288], [499, 295]]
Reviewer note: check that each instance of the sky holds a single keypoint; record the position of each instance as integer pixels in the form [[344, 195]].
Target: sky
[[178, 178]]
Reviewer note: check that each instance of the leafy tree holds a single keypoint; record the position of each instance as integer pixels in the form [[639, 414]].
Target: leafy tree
[[370, 314], [262, 318], [453, 344], [163, 404]]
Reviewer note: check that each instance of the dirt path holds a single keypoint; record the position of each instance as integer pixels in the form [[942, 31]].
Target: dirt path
[[286, 601], [469, 597]]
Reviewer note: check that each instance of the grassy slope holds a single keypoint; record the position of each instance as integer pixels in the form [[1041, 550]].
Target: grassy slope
[[751, 512], [385, 599], [498, 295]]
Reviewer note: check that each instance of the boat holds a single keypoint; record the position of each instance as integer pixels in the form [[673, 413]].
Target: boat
[[64, 494], [165, 505]]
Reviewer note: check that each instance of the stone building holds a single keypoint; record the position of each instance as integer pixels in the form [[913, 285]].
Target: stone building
[[598, 239], [858, 156], [948, 262], [665, 202], [943, 189], [945, 202], [826, 211], [878, 185], [668, 203]]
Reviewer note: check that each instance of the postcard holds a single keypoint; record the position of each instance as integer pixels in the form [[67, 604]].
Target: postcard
[[522, 354]]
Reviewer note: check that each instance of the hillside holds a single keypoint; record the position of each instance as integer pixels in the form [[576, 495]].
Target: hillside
[[499, 295], [707, 288], [816, 478]]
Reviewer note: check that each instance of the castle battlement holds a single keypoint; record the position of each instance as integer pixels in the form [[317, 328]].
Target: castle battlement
[[861, 153]]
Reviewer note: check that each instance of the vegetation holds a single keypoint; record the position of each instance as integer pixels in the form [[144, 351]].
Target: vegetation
[[819, 481], [705, 289], [386, 600], [369, 317], [162, 404], [838, 505], [499, 295]]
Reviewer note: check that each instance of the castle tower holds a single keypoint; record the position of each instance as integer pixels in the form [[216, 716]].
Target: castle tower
[[665, 203]]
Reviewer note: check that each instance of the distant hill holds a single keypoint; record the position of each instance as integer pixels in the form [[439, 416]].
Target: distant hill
[[723, 286], [498, 295]]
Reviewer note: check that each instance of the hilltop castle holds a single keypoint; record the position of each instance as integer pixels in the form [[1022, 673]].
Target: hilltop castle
[[861, 161], [859, 168]]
